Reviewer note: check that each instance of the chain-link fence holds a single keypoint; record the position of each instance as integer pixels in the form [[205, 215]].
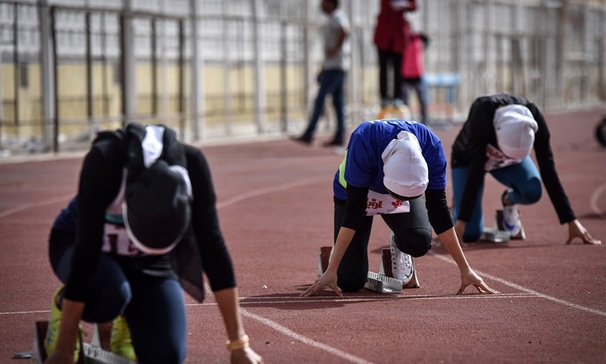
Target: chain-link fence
[[225, 69]]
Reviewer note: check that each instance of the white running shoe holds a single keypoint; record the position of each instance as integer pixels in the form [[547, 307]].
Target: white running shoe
[[402, 267], [512, 221]]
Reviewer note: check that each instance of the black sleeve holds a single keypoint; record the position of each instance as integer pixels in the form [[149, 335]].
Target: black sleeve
[[437, 209], [549, 175], [357, 198], [481, 128], [100, 180], [205, 221]]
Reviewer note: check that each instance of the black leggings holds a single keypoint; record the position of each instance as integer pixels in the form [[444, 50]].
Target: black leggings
[[154, 307], [387, 60], [413, 236]]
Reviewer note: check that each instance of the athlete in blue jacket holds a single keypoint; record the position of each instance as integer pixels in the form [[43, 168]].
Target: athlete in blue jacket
[[388, 166]]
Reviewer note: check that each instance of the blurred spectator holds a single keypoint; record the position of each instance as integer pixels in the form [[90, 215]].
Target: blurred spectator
[[413, 70], [390, 38], [333, 73]]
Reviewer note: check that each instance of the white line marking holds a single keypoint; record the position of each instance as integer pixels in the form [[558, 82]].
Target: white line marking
[[528, 290], [34, 204], [24, 312], [286, 300], [263, 191], [268, 322], [304, 339], [593, 201]]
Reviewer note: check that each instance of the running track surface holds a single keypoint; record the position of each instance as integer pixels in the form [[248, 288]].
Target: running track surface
[[275, 206]]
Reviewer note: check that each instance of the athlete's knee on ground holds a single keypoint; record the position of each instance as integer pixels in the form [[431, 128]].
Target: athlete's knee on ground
[[352, 284], [470, 237]]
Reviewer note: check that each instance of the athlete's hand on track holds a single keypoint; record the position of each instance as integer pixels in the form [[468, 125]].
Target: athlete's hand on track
[[326, 280], [576, 230], [245, 356], [471, 278]]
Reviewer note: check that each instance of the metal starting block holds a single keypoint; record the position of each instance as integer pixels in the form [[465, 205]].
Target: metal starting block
[[386, 269], [498, 233], [382, 282], [494, 235], [96, 352]]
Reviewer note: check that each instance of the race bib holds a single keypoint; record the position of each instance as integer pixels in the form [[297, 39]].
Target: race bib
[[116, 241], [496, 159], [380, 203]]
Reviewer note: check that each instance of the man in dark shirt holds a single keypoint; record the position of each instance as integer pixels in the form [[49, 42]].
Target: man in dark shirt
[[497, 138]]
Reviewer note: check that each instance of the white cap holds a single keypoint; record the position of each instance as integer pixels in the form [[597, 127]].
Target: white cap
[[515, 128], [404, 167]]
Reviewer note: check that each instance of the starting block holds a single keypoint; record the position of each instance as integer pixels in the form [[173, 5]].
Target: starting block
[[382, 282], [386, 269], [96, 352], [324, 259], [498, 233]]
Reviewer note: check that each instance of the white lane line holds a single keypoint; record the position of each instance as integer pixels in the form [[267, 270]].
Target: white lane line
[[253, 301], [24, 312], [274, 325], [288, 300], [595, 196], [530, 291], [288, 332], [304, 339], [34, 205], [264, 191]]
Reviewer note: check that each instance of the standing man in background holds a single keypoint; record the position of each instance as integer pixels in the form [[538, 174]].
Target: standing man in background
[[333, 73]]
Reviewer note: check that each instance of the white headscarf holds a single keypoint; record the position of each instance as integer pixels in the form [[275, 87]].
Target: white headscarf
[[405, 169], [515, 128]]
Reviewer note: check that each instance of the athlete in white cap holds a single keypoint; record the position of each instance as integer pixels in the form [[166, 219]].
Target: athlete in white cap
[[388, 166], [497, 138]]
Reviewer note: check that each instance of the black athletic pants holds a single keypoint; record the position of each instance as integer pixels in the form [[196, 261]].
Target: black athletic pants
[[413, 234]]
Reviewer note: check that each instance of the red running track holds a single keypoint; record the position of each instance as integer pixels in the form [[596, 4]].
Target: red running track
[[275, 206]]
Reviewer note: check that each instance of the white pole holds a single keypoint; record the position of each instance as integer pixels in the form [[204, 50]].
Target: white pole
[[46, 72], [260, 98], [196, 99]]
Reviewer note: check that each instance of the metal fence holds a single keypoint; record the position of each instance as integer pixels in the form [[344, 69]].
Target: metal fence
[[225, 69]]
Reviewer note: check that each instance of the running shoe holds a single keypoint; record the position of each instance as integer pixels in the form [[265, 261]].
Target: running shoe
[[120, 342], [402, 267], [52, 332], [512, 221]]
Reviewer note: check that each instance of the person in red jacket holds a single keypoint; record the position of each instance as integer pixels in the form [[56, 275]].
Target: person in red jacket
[[413, 69], [390, 37]]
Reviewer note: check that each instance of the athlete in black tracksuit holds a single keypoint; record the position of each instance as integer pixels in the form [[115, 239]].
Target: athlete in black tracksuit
[[106, 276], [470, 162]]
